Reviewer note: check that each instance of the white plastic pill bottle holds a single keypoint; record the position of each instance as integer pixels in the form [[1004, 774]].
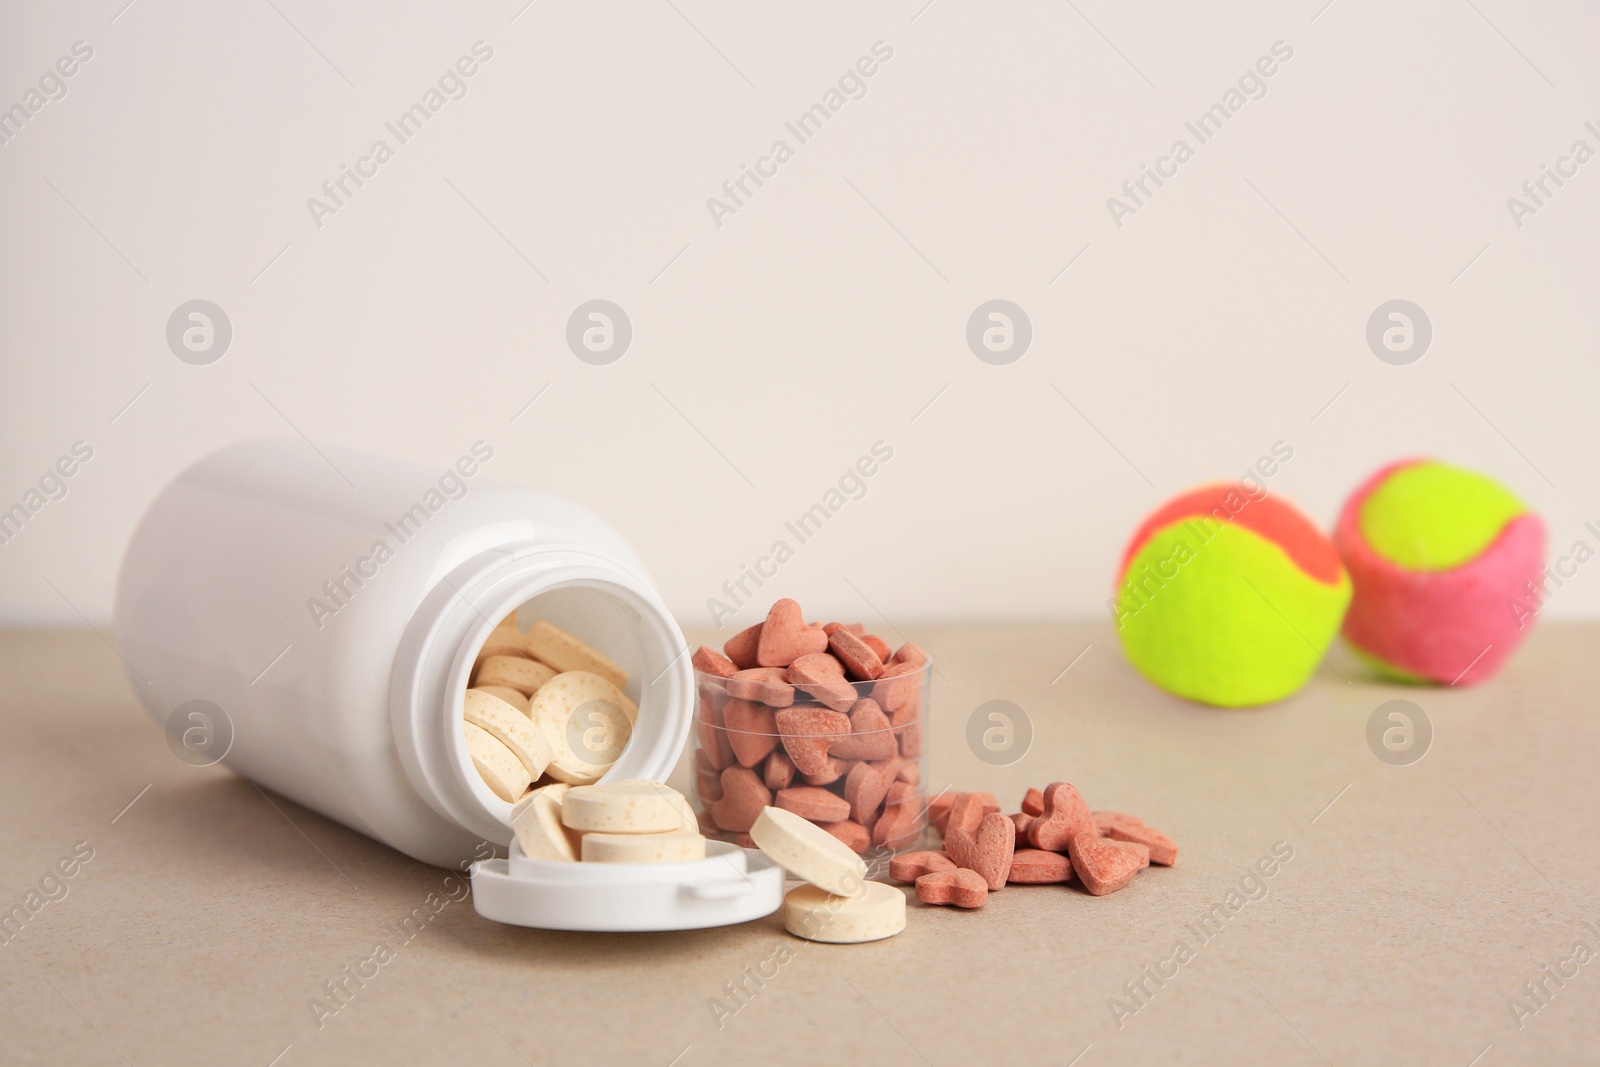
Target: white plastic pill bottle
[[310, 615]]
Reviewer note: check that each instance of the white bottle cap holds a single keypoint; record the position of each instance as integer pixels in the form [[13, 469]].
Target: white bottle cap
[[731, 885]]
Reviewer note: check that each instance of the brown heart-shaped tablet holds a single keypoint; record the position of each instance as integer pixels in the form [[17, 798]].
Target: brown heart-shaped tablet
[[711, 733], [741, 647], [813, 802], [1035, 866], [901, 793], [908, 711], [712, 741], [1033, 802], [763, 684], [785, 637], [1065, 816], [713, 693], [940, 807], [911, 740], [808, 733], [1106, 818], [778, 771], [968, 810], [988, 851], [961, 887], [836, 769], [876, 643], [896, 685], [860, 662], [1102, 864], [865, 787], [870, 734], [910, 653], [897, 825], [752, 731], [909, 866], [817, 667], [709, 661], [707, 777], [743, 797], [822, 678], [709, 788], [1163, 851], [1022, 820], [858, 837], [1120, 816]]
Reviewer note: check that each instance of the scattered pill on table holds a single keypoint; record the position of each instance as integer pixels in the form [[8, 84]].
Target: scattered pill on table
[[986, 850], [1035, 866], [877, 911], [957, 886], [1101, 850], [808, 852], [909, 866]]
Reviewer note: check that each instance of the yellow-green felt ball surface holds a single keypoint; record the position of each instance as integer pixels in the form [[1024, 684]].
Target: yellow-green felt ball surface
[[1219, 611], [1431, 516]]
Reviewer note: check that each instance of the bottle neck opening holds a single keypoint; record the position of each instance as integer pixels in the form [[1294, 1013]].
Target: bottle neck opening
[[589, 596]]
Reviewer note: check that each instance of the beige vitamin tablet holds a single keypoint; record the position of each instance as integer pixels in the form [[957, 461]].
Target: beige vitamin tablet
[[508, 694], [504, 640], [808, 852], [513, 672], [674, 846], [499, 767], [686, 810], [876, 912], [587, 721], [690, 822], [537, 824], [527, 798], [566, 653], [622, 808], [510, 727]]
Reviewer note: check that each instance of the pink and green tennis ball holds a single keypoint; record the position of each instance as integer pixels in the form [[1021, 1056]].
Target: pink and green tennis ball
[[1229, 596], [1440, 557]]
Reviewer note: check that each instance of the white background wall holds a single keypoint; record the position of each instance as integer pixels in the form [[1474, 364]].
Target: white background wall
[[829, 312]]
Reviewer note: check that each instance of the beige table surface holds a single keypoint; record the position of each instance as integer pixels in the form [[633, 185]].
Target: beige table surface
[[1418, 899]]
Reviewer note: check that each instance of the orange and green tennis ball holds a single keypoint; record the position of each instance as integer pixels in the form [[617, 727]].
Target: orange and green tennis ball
[[1229, 596], [1448, 569]]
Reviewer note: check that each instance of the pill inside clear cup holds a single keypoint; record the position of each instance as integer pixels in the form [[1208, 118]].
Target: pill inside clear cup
[[849, 756]]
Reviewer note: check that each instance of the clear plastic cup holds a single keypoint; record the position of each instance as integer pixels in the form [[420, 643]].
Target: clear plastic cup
[[849, 756]]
